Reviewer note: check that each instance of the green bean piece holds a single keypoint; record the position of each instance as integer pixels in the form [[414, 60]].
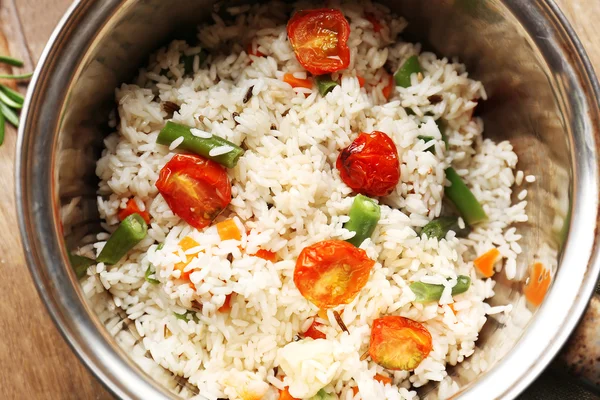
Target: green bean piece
[[439, 227], [12, 94], [10, 115], [11, 61], [198, 145], [325, 84], [2, 127], [150, 271], [188, 61], [80, 264], [427, 292], [18, 77], [129, 233], [9, 102], [364, 216], [464, 200], [442, 127], [410, 66], [427, 139]]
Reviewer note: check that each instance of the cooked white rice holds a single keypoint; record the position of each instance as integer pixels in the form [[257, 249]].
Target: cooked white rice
[[287, 195]]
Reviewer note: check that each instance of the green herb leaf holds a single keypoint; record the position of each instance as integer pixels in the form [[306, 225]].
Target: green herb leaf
[[160, 246], [150, 271], [20, 77], [12, 94], [2, 127], [10, 115], [9, 102], [11, 61]]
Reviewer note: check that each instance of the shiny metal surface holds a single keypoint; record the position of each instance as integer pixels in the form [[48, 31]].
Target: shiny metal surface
[[543, 97]]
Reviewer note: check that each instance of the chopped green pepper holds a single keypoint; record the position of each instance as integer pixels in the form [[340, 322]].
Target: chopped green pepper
[[325, 84], [186, 316], [129, 233], [364, 216], [199, 145], [410, 66], [464, 200], [323, 395], [439, 227], [80, 264], [442, 127], [188, 61], [150, 271], [427, 139], [427, 292]]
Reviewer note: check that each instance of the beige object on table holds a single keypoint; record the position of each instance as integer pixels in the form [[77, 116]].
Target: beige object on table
[[35, 363]]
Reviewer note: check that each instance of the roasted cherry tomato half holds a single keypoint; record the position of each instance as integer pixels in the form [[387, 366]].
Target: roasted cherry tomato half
[[332, 272], [196, 189], [399, 343], [370, 164], [319, 39]]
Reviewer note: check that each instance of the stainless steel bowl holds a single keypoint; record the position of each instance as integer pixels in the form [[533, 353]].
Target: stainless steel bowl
[[544, 98]]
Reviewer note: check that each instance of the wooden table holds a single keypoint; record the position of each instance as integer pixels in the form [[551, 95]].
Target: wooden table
[[35, 362]]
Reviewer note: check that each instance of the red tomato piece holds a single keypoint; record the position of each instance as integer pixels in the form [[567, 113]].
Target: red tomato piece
[[314, 332], [399, 343], [387, 89], [331, 272], [374, 21], [250, 50], [361, 81], [370, 164], [132, 208], [319, 39], [196, 189]]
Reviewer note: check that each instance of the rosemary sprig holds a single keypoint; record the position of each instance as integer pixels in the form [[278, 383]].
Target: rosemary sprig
[[18, 76], [11, 101], [11, 61]]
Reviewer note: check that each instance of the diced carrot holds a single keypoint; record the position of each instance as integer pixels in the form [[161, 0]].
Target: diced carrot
[[485, 262], [539, 282], [132, 208], [386, 380], [373, 20], [361, 81], [313, 331], [296, 82], [387, 90], [266, 255], [228, 230], [186, 244], [226, 307], [285, 395], [451, 305], [253, 52], [355, 390]]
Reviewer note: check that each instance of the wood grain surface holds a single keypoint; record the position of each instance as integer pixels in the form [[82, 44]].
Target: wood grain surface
[[35, 362]]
